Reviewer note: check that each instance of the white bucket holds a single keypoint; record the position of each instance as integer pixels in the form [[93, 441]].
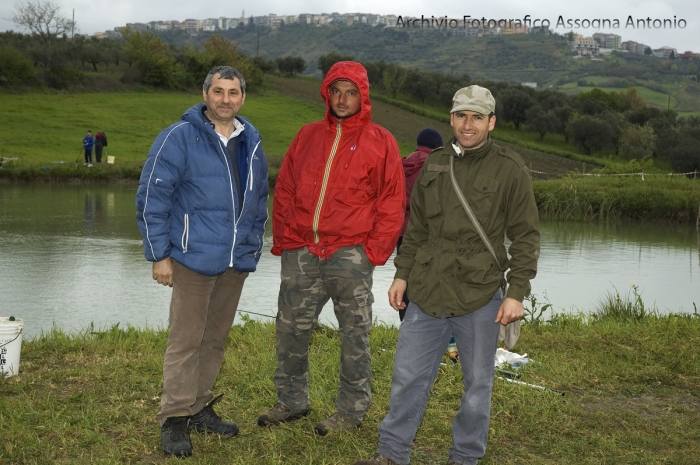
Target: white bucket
[[110, 159], [10, 345]]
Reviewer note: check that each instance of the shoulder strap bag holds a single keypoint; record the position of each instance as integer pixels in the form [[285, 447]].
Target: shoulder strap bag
[[509, 333]]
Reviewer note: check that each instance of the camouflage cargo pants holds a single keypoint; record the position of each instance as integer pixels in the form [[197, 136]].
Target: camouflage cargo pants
[[307, 284]]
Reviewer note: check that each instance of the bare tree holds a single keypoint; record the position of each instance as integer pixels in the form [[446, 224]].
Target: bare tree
[[42, 19]]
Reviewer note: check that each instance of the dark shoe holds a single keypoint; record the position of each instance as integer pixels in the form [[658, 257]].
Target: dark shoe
[[280, 413], [337, 422], [175, 437], [377, 459], [207, 421]]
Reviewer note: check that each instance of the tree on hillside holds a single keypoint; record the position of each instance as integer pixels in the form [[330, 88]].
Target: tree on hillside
[[42, 19], [93, 52], [153, 58], [515, 102], [541, 121], [291, 65], [684, 157], [266, 66], [394, 78], [590, 133], [637, 142], [326, 61], [15, 68]]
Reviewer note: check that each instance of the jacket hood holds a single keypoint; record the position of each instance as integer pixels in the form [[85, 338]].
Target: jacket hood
[[357, 74], [414, 162]]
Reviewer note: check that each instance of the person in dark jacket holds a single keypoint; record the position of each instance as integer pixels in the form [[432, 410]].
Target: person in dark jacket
[[428, 140], [100, 142], [454, 282], [338, 210], [201, 209]]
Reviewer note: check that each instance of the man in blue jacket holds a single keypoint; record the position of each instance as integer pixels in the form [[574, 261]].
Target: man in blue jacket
[[201, 209]]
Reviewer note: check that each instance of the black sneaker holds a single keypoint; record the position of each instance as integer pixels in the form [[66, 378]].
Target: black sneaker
[[207, 421], [175, 437]]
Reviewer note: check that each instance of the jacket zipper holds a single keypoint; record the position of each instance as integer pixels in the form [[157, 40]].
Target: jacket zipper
[[233, 201], [185, 233], [326, 175]]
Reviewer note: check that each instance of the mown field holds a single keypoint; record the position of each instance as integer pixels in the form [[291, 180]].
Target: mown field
[[49, 128]]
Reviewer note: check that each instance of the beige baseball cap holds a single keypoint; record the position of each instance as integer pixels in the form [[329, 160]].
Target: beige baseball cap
[[474, 98]]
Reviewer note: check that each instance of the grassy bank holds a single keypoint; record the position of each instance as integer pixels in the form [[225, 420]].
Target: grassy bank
[[631, 396], [664, 198]]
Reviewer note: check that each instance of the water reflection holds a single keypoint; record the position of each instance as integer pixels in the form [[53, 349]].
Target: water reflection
[[72, 255]]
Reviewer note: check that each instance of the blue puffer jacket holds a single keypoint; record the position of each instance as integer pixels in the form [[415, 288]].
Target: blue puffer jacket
[[187, 202]]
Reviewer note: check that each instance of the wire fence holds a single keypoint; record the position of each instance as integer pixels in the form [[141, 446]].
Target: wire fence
[[600, 175]]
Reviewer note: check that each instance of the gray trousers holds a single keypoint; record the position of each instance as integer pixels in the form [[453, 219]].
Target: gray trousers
[[422, 343], [307, 284], [202, 309]]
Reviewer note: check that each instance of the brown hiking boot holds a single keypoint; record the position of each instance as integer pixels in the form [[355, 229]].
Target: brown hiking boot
[[337, 422], [280, 413], [377, 459]]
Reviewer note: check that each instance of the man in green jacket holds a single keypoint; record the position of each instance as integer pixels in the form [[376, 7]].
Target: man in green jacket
[[455, 284]]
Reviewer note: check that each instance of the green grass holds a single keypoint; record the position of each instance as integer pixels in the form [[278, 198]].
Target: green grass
[[49, 128], [657, 197], [631, 398]]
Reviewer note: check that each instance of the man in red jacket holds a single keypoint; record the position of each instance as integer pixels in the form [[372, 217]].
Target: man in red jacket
[[338, 209]]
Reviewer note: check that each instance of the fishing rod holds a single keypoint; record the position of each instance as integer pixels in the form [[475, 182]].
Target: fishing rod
[[82, 151], [259, 314], [536, 386]]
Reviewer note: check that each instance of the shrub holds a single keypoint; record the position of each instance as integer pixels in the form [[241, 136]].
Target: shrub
[[16, 69]]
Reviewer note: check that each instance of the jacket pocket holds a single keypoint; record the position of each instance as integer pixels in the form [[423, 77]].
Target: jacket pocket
[[431, 193], [185, 233], [484, 193], [420, 275], [475, 277]]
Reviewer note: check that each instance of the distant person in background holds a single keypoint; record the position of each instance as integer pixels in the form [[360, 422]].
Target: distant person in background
[[428, 140], [88, 142], [100, 141]]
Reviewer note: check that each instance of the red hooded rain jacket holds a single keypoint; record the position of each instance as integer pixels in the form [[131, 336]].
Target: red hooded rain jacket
[[341, 182]]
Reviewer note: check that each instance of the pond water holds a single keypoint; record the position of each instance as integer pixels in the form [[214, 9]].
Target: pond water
[[72, 256]]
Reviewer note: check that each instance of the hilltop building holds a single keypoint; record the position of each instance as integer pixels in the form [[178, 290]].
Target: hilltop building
[[585, 46], [663, 52], [611, 41], [600, 43]]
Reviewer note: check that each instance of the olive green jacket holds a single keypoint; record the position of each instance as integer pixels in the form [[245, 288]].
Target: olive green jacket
[[443, 259]]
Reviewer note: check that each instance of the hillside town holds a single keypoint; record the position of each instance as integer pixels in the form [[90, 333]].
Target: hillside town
[[597, 44]]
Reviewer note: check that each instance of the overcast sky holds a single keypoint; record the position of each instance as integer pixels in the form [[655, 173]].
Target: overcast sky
[[100, 15]]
